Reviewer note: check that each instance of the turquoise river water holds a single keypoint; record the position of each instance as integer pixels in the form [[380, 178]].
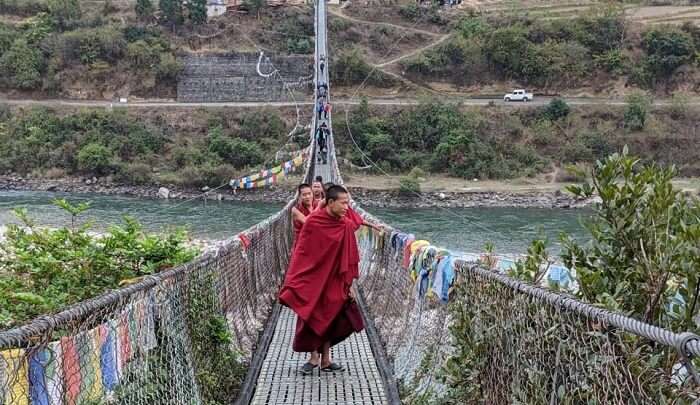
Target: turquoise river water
[[464, 230]]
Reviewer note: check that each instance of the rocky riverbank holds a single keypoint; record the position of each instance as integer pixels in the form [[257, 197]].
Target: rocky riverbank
[[280, 194]]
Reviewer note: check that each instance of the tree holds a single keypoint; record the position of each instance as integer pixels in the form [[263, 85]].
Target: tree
[[21, 65], [197, 11], [556, 109], [638, 105], [254, 6], [171, 12], [95, 158], [645, 240], [667, 49], [144, 9], [64, 10]]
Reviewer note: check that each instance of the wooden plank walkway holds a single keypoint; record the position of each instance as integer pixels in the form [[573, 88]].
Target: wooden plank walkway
[[281, 383]]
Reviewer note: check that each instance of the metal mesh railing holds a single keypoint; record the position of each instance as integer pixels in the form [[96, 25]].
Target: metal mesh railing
[[502, 341], [183, 336]]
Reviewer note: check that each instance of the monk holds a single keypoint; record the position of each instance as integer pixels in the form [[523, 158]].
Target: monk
[[317, 188], [305, 205], [318, 283]]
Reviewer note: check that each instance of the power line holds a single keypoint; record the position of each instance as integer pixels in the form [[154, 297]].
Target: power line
[[366, 157]]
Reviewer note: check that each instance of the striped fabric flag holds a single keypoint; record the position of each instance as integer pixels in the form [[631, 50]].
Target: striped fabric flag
[[14, 377], [108, 356], [123, 341], [37, 371], [92, 374], [149, 324], [71, 370], [53, 373]]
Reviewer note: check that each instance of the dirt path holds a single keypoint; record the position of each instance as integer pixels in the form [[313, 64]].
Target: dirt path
[[341, 14], [415, 52]]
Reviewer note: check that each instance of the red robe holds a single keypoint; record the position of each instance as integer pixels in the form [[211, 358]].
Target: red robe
[[298, 224], [316, 287]]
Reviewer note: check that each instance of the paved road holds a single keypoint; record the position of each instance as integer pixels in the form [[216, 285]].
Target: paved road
[[336, 101]]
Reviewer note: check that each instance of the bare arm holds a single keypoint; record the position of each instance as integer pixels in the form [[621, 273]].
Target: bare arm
[[297, 215]]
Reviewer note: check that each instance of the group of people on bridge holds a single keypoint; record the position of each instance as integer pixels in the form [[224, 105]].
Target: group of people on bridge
[[324, 264], [323, 109]]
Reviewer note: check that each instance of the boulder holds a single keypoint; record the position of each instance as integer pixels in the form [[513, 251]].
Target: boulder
[[163, 193]]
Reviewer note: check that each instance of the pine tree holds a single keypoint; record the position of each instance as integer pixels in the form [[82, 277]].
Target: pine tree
[[144, 9], [172, 12], [198, 11]]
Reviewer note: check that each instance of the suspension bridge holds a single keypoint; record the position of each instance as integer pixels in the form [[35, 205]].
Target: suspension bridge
[[142, 343]]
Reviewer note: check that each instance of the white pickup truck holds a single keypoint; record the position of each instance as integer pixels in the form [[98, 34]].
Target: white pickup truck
[[518, 95]]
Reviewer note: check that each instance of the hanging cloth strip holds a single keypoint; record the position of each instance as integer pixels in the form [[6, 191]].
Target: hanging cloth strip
[[269, 176]]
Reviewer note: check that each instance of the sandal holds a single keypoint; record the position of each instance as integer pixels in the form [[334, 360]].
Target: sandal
[[307, 368], [333, 367]]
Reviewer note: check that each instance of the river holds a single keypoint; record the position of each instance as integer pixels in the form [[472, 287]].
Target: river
[[464, 229]]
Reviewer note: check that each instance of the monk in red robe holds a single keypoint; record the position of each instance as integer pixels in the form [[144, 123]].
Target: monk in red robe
[[305, 205], [318, 283], [317, 188]]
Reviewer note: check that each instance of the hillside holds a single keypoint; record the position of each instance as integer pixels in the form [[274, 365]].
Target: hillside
[[104, 49], [206, 147]]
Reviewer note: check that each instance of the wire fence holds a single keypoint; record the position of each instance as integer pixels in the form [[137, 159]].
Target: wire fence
[[183, 336], [499, 340]]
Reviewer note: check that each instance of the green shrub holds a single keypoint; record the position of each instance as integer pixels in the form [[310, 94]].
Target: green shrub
[[197, 11], [21, 65], [416, 173], [23, 7], [90, 45], [301, 46], [143, 55], [64, 10], [556, 110], [667, 49], [613, 61], [350, 68], [572, 173], [638, 105], [679, 105], [410, 11], [134, 173], [409, 186], [171, 12], [95, 158], [34, 262], [169, 67], [7, 37], [235, 151]]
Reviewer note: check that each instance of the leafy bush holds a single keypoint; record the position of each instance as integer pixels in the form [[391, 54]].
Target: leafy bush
[[95, 158], [23, 7], [350, 68], [134, 173], [236, 151], [644, 233], [169, 67], [556, 109], [144, 8], [638, 105], [679, 105], [301, 46], [45, 270], [667, 49], [21, 65], [64, 10], [409, 186]]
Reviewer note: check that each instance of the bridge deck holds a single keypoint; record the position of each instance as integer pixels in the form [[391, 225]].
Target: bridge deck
[[280, 381]]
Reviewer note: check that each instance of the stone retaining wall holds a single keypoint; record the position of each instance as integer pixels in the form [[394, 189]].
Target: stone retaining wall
[[234, 77]]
